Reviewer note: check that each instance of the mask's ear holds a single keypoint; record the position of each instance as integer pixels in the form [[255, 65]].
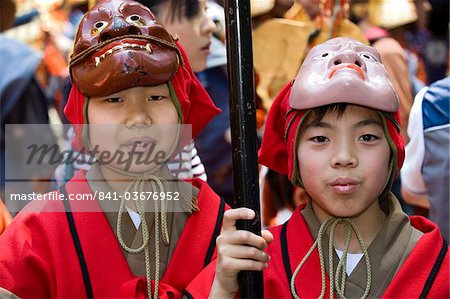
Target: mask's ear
[[274, 152], [74, 112]]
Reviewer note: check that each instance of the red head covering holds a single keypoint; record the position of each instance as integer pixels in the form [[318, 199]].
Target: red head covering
[[196, 106], [278, 145], [120, 45]]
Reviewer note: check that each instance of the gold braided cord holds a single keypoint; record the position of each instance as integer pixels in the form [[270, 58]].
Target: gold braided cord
[[160, 219], [323, 227], [138, 185], [330, 256], [164, 226], [144, 230], [337, 279], [160, 222], [342, 265], [157, 259], [366, 258]]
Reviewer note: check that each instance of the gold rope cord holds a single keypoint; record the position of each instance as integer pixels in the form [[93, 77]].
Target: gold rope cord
[[160, 224], [339, 278], [137, 185]]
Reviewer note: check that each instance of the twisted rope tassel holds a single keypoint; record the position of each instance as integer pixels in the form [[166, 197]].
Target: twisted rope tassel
[[160, 213], [160, 219], [338, 279]]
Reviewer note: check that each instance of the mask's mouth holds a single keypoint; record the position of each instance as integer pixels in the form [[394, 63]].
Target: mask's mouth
[[122, 45], [350, 66], [119, 43]]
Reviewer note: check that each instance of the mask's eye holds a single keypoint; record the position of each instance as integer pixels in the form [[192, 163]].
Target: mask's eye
[[98, 27], [367, 56], [325, 55], [136, 20]]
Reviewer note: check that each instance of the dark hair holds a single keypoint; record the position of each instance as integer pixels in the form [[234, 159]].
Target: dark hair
[[438, 17], [317, 114], [8, 11], [178, 8]]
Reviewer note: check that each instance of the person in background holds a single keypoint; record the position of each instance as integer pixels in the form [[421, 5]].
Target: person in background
[[214, 143], [433, 44], [23, 101], [189, 22], [425, 174], [268, 9]]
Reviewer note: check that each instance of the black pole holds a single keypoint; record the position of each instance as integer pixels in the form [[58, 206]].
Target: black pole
[[243, 128]]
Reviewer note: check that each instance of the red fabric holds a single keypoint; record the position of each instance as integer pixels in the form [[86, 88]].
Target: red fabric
[[5, 217], [274, 152], [38, 257], [196, 105], [201, 285], [309, 286], [408, 282], [277, 148], [424, 254]]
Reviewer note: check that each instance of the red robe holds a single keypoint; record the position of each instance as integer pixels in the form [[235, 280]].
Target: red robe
[[424, 272], [39, 259], [5, 218]]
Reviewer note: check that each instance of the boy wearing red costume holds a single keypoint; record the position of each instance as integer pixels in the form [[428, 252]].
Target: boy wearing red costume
[[132, 77], [335, 131]]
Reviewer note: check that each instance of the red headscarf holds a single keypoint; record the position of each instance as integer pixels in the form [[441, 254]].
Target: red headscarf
[[277, 148], [196, 106], [315, 87]]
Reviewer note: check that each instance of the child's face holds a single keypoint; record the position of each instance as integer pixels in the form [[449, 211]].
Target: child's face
[[142, 120], [195, 33], [344, 161]]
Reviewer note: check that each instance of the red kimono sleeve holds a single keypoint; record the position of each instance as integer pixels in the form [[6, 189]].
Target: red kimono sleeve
[[25, 267]]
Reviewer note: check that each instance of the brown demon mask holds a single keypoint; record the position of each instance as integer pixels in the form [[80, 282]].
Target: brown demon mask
[[120, 45]]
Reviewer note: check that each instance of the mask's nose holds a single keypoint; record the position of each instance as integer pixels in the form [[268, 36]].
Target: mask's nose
[[348, 56], [118, 27]]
